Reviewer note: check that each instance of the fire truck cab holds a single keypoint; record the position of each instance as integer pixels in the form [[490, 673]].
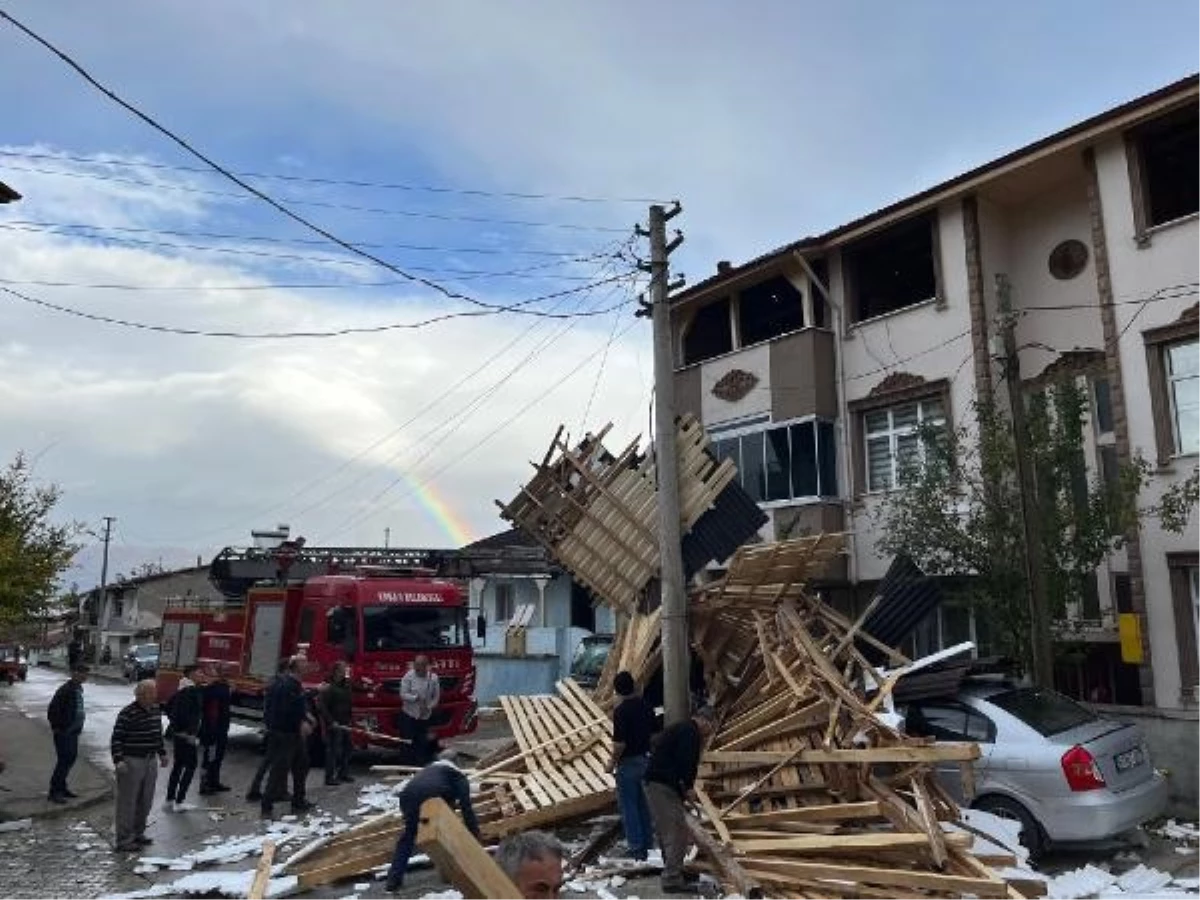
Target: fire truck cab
[[377, 618]]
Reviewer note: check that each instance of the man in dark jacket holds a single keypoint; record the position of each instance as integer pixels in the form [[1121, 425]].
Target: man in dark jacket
[[186, 711], [670, 777], [255, 793], [214, 732], [288, 729], [439, 779], [634, 724], [333, 705], [66, 717]]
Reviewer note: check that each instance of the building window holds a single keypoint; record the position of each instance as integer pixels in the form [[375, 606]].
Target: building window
[[505, 602], [892, 270], [793, 461], [895, 447], [1174, 382], [768, 310], [1167, 168], [708, 334], [1184, 569]]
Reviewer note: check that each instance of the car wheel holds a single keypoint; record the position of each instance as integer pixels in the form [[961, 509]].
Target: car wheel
[[1032, 836]]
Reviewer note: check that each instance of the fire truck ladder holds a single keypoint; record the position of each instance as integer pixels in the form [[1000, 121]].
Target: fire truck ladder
[[236, 569]]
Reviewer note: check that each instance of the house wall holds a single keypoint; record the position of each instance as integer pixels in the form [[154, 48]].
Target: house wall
[[1137, 272]]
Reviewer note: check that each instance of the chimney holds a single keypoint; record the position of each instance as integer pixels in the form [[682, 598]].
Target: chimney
[[724, 266]]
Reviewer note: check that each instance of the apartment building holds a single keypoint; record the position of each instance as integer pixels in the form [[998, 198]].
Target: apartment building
[[814, 365]]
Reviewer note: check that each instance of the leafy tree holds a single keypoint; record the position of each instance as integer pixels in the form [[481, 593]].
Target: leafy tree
[[34, 551], [958, 512]]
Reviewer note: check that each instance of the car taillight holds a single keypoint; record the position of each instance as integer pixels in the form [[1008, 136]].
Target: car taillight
[[1081, 770]]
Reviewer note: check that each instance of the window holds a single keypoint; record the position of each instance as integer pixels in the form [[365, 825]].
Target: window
[[1183, 381], [769, 309], [892, 270], [894, 444], [414, 627], [708, 334], [340, 630], [783, 462], [1167, 168], [1046, 712], [949, 721], [820, 268], [1184, 571], [1102, 417], [506, 604], [305, 631]]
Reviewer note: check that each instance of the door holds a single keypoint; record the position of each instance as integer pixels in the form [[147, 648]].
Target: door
[[950, 721], [267, 639], [168, 646], [189, 636]]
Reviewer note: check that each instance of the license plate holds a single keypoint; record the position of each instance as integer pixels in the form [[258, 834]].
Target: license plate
[[1129, 759]]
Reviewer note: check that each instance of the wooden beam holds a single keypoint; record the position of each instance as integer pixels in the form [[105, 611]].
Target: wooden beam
[[460, 858], [926, 881], [840, 843], [896, 754], [262, 872], [723, 860], [833, 812]]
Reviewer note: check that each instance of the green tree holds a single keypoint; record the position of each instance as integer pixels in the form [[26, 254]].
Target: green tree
[[958, 512], [34, 550]]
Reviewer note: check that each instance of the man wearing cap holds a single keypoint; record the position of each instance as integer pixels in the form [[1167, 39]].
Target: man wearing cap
[[66, 717], [670, 777]]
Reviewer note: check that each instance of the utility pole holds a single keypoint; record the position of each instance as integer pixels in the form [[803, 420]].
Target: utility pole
[[387, 538], [1035, 571], [675, 649], [103, 605]]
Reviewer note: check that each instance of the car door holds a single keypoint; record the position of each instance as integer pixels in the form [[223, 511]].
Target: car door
[[949, 721]]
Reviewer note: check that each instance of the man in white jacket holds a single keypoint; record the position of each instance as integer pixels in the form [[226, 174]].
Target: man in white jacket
[[420, 692]]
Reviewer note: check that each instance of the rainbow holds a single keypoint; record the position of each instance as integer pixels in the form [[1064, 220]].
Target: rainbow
[[456, 528]]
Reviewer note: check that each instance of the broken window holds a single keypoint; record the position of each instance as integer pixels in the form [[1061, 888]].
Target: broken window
[[770, 309], [784, 462], [709, 333], [1170, 163], [893, 269]]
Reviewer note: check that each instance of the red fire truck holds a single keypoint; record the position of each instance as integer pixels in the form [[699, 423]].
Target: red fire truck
[[375, 609]]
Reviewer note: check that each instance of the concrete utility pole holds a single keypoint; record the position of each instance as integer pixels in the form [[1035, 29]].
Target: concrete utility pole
[[1035, 572], [675, 649], [103, 606]]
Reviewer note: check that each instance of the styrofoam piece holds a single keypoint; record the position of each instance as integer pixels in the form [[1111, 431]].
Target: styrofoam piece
[[1088, 881], [1142, 879], [21, 825]]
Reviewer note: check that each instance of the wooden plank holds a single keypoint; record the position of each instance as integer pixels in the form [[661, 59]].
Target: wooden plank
[[458, 856], [714, 817], [730, 869], [895, 754], [937, 838], [262, 872], [929, 881], [833, 812], [840, 843], [814, 714]]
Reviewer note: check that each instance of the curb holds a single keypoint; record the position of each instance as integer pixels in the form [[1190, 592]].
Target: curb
[[55, 811]]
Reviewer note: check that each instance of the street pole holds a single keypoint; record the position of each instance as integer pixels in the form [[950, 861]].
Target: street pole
[[103, 606], [1035, 571], [387, 538], [675, 649]]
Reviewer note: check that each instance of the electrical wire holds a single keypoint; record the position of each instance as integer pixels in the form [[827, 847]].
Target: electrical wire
[[336, 182], [32, 225], [336, 332], [587, 409], [245, 185], [316, 204]]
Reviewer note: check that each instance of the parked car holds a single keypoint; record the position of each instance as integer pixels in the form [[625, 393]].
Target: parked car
[[13, 664], [141, 662], [1047, 762], [591, 653]]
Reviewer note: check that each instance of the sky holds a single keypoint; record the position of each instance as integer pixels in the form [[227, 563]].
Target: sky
[[502, 151]]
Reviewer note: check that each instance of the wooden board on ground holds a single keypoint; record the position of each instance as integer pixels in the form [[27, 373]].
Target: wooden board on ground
[[460, 858]]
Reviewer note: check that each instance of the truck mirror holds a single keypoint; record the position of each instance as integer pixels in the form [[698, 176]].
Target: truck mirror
[[480, 627]]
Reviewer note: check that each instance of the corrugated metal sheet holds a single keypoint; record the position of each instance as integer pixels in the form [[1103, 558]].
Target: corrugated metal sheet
[[909, 595], [733, 519]]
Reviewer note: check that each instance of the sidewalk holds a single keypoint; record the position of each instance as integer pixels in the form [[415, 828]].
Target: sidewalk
[[28, 750], [111, 672]]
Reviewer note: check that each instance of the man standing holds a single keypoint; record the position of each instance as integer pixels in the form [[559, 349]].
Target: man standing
[[136, 739], [533, 860], [333, 705], [420, 692], [255, 793], [440, 779], [670, 778], [186, 710], [288, 729], [633, 725], [66, 717], [214, 731]]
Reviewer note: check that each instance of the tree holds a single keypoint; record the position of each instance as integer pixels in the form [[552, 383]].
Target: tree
[[958, 512], [34, 551]]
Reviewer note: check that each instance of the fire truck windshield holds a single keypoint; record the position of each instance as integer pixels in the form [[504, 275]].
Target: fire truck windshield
[[414, 627]]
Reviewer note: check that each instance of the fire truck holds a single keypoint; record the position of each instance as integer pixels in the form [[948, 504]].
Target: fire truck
[[375, 609]]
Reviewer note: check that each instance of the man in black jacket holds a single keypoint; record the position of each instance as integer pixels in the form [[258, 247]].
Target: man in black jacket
[[66, 717], [670, 777], [186, 710], [288, 729], [634, 724], [333, 704], [439, 779], [255, 793], [214, 732]]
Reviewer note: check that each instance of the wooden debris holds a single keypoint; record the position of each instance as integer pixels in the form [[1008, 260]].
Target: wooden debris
[[458, 856], [262, 872]]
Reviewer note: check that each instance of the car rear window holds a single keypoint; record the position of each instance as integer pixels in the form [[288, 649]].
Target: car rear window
[[1046, 712]]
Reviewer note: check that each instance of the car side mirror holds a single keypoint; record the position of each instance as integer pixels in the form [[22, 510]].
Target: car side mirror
[[480, 627]]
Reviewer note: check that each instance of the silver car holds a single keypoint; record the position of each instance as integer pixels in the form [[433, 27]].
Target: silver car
[[1056, 767]]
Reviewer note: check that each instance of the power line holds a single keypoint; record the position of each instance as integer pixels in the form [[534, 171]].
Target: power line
[[337, 182], [316, 204], [29, 225], [245, 185], [337, 332], [898, 362], [587, 409]]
